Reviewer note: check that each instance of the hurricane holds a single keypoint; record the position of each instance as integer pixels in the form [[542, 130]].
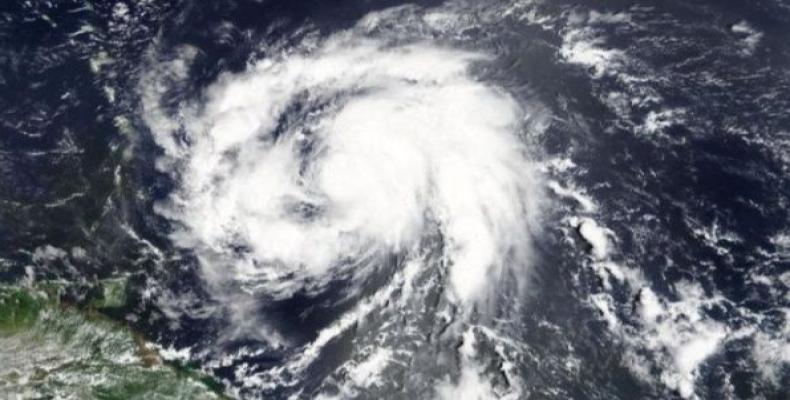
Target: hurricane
[[311, 165], [348, 157]]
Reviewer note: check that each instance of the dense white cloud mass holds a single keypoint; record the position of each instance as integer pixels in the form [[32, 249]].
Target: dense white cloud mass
[[317, 161]]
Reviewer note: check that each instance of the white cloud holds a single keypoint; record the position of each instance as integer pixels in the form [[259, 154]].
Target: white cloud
[[396, 140]]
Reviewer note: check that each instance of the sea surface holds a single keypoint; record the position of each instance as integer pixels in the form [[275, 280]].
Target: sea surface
[[518, 199]]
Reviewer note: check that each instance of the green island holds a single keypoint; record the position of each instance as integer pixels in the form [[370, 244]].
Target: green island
[[49, 349]]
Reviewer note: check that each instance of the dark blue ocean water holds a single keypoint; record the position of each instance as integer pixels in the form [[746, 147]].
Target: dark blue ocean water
[[78, 182]]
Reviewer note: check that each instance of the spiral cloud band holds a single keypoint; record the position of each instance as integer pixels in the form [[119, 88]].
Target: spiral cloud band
[[324, 160]]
